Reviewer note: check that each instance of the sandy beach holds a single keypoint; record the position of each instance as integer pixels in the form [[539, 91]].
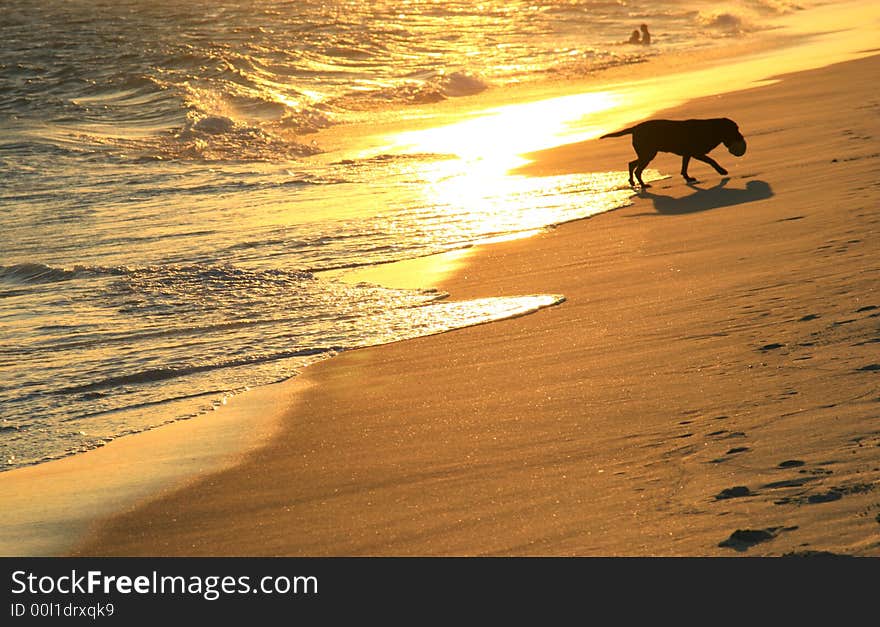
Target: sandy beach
[[708, 387]]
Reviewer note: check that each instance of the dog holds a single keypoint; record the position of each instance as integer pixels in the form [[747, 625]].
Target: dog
[[688, 138]]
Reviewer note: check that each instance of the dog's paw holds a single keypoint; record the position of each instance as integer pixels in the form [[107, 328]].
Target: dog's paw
[[722, 171]]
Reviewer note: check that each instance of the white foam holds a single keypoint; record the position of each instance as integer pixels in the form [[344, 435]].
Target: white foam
[[462, 83]]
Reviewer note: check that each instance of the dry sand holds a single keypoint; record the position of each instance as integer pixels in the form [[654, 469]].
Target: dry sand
[[708, 388]]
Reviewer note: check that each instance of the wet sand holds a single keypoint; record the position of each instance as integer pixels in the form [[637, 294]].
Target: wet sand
[[709, 387]]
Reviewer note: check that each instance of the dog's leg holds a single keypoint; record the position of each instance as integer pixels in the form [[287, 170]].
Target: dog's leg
[[632, 165], [641, 163], [684, 169], [712, 162]]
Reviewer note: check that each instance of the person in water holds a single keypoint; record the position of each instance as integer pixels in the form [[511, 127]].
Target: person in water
[[643, 38]]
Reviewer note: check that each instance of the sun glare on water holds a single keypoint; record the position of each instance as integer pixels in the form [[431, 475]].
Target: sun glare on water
[[499, 136], [490, 144]]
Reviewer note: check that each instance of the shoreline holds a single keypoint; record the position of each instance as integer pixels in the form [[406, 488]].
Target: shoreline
[[706, 388], [45, 508], [457, 278]]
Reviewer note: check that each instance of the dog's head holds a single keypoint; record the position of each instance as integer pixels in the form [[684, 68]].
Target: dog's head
[[733, 139]]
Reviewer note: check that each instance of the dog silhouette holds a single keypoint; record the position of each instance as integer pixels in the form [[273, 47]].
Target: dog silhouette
[[688, 138]]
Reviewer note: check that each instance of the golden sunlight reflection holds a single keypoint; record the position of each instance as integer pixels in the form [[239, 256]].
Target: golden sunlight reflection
[[496, 137], [419, 273], [476, 191]]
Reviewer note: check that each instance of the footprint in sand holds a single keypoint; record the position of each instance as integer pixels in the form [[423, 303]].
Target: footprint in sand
[[734, 492], [790, 463], [733, 451], [826, 497], [788, 483], [811, 553], [833, 494], [770, 347], [744, 539]]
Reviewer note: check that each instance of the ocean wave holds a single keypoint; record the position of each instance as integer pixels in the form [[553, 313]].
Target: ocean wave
[[729, 23], [162, 374], [37, 273], [775, 7], [221, 138], [166, 275], [227, 122], [428, 87], [462, 83], [744, 18], [417, 157]]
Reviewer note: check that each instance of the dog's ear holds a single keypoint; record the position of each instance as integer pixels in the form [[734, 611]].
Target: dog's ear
[[732, 131]]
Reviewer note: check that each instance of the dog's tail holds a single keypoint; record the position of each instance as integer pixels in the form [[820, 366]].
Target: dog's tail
[[626, 131]]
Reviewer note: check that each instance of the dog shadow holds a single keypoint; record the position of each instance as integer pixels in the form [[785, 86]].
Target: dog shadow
[[704, 199]]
